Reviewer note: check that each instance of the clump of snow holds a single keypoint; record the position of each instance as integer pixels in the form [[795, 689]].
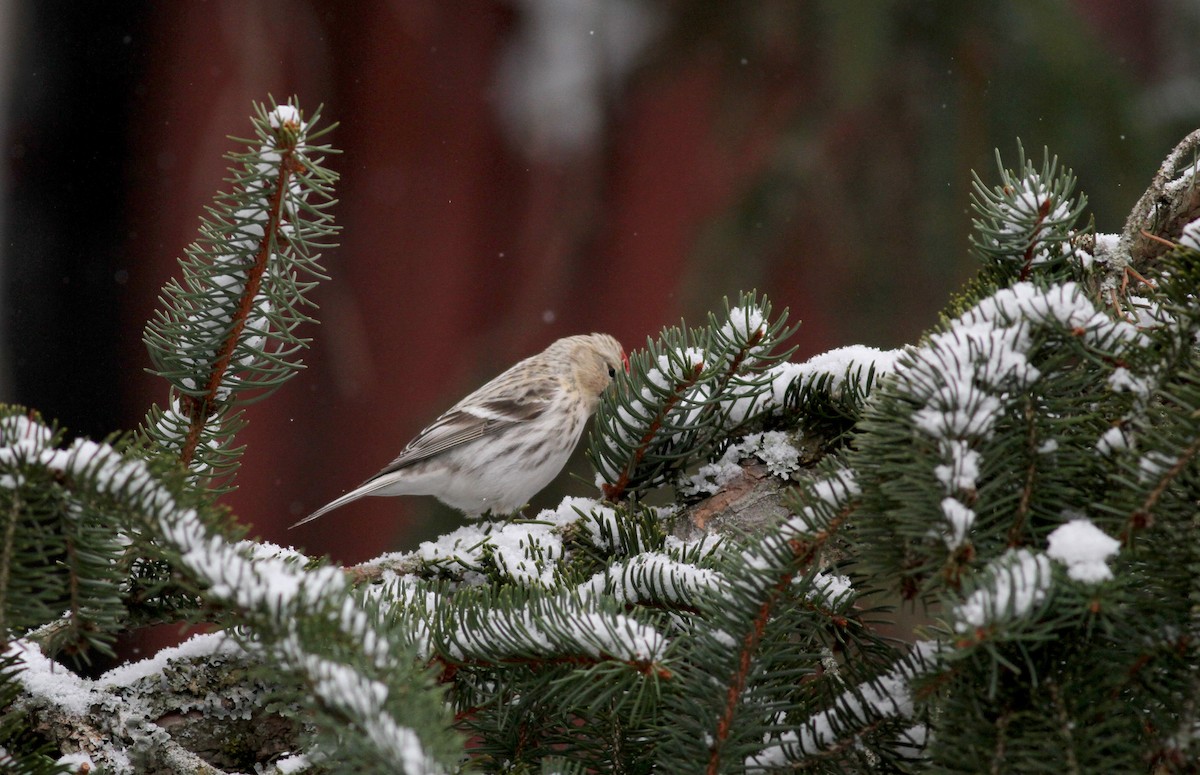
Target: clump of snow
[[960, 518], [1084, 549], [774, 448], [284, 114], [22, 438], [1122, 379], [961, 470], [1112, 440], [291, 765], [829, 589], [1154, 464], [1017, 581], [743, 324], [48, 680], [854, 362], [713, 476], [1107, 250]]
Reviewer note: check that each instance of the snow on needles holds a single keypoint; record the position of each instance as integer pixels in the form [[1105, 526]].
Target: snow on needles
[[1033, 203], [831, 493], [527, 552], [743, 324], [887, 696], [964, 377], [224, 275], [675, 395], [652, 576], [341, 686], [572, 620], [837, 366], [1015, 583], [561, 624], [1190, 238], [259, 578]]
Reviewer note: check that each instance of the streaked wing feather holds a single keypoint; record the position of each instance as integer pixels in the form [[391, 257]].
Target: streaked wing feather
[[459, 426]]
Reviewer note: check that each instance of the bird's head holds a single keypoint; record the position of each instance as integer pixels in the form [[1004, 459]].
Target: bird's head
[[595, 359]]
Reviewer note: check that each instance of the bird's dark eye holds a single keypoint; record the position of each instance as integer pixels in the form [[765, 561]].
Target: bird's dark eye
[[612, 373]]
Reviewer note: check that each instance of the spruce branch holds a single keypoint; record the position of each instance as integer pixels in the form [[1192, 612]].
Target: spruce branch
[[68, 538], [1026, 220], [769, 586], [302, 620], [963, 399], [1142, 517], [226, 334], [684, 393]]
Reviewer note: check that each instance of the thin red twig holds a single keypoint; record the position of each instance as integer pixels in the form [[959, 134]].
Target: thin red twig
[[803, 553], [199, 409], [614, 491]]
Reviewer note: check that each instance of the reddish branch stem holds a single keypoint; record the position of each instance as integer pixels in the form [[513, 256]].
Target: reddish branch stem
[[803, 553], [736, 363], [614, 491], [1142, 517], [1043, 211], [198, 409]]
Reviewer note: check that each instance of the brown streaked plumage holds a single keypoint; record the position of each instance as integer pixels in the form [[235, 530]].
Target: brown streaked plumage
[[499, 446]]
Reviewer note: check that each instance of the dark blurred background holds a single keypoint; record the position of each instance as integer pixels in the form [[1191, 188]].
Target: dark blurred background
[[515, 171]]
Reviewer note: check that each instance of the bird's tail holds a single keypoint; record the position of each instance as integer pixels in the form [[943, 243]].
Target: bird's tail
[[366, 488]]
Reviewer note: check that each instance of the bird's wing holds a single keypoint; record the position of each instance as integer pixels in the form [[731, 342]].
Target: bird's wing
[[464, 424]]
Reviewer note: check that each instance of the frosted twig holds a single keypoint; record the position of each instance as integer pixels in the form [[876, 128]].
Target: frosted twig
[[1163, 209]]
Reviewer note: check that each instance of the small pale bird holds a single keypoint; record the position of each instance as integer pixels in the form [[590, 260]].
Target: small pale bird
[[499, 446]]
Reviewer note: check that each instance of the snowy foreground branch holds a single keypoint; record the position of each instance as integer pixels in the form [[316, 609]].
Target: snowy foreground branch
[[1022, 481]]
